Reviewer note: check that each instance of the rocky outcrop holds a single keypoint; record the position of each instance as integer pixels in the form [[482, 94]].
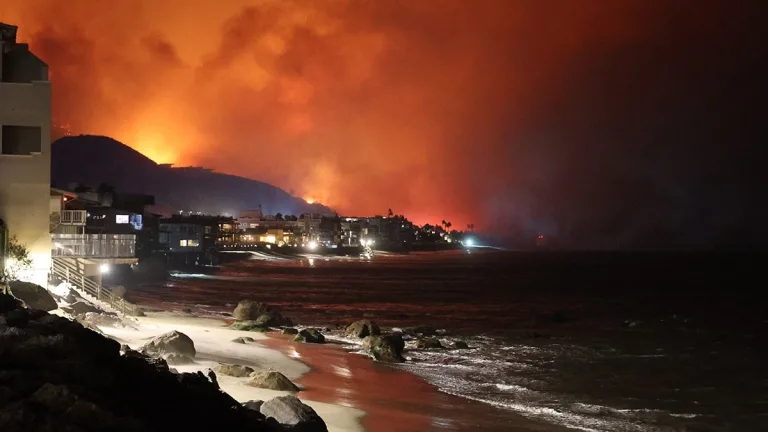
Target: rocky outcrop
[[387, 348], [102, 319], [460, 345], [249, 326], [293, 414], [56, 375], [290, 331], [33, 296], [309, 336], [239, 371], [428, 343], [271, 380], [173, 342], [362, 328]]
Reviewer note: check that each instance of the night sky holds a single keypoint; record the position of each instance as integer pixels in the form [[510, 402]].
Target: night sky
[[602, 123]]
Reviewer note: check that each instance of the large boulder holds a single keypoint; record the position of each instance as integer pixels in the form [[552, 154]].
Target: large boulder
[[387, 348], [271, 380], [292, 414], [248, 310], [273, 319], [239, 371], [33, 296], [309, 336], [290, 331], [362, 328], [173, 342]]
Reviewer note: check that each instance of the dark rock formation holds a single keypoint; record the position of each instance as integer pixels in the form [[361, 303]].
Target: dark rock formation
[[33, 296], [239, 371], [253, 405], [56, 375], [271, 380], [260, 314], [362, 328], [428, 343], [423, 330], [309, 336], [80, 308], [387, 348], [460, 345], [290, 331], [293, 414], [173, 342]]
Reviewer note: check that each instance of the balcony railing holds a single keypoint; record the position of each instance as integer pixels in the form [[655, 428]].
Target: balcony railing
[[94, 245], [73, 217]]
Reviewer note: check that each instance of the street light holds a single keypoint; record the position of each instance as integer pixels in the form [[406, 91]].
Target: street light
[[104, 268]]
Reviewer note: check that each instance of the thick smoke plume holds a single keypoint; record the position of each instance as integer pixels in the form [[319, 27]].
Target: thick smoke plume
[[573, 118]]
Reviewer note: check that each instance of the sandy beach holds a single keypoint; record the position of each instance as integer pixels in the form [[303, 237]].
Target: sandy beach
[[213, 341], [349, 391]]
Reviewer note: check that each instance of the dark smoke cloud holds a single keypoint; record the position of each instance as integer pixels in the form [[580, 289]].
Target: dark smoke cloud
[[604, 124]]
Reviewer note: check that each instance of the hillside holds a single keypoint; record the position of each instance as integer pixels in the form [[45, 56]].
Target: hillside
[[93, 160]]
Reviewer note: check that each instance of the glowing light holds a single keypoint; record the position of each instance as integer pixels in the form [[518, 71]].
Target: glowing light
[[104, 268], [312, 245], [469, 242], [309, 201]]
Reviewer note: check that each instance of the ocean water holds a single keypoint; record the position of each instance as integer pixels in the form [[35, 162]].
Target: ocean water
[[591, 341]]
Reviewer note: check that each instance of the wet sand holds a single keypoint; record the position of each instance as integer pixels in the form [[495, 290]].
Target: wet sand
[[391, 398]]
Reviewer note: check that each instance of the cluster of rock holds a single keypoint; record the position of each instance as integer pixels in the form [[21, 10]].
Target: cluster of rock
[[57, 375], [251, 315]]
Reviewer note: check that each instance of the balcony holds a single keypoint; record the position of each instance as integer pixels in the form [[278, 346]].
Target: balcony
[[93, 245]]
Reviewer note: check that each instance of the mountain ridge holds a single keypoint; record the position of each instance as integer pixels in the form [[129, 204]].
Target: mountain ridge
[[93, 159]]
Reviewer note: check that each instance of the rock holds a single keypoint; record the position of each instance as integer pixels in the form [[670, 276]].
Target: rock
[[248, 310], [423, 330], [248, 326], [242, 340], [290, 412], [271, 380], [170, 343], [428, 343], [8, 303], [177, 359], [33, 296], [273, 319], [81, 308], [140, 312], [187, 310], [253, 405], [387, 348], [239, 371], [309, 336], [460, 345], [362, 328], [290, 331], [103, 319]]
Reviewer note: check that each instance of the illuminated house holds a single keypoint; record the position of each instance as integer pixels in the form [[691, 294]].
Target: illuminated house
[[25, 151]]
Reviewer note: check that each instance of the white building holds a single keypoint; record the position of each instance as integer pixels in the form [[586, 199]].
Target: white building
[[25, 151]]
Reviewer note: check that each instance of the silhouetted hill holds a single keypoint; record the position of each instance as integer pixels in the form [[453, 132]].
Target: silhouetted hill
[[93, 160]]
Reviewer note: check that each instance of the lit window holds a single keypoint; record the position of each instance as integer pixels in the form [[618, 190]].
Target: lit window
[[183, 243], [122, 219], [193, 243]]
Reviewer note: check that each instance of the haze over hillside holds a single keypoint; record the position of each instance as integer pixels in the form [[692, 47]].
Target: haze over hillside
[[92, 160]]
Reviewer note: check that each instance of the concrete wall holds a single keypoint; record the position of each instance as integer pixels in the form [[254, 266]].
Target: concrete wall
[[25, 179]]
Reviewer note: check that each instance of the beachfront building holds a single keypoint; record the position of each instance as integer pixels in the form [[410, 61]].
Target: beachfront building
[[195, 239], [25, 152]]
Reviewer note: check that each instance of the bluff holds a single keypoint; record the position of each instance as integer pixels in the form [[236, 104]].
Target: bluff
[[93, 160]]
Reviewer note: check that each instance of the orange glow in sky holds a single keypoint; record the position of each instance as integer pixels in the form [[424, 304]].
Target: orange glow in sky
[[363, 106]]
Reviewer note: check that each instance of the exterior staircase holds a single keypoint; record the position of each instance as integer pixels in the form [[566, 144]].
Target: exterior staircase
[[70, 270]]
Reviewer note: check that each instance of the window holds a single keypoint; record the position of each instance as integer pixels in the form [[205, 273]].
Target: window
[[21, 140], [193, 243], [183, 243], [208, 229], [122, 219]]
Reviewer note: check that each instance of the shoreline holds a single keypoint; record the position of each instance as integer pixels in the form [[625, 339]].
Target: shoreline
[[388, 394], [351, 392]]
